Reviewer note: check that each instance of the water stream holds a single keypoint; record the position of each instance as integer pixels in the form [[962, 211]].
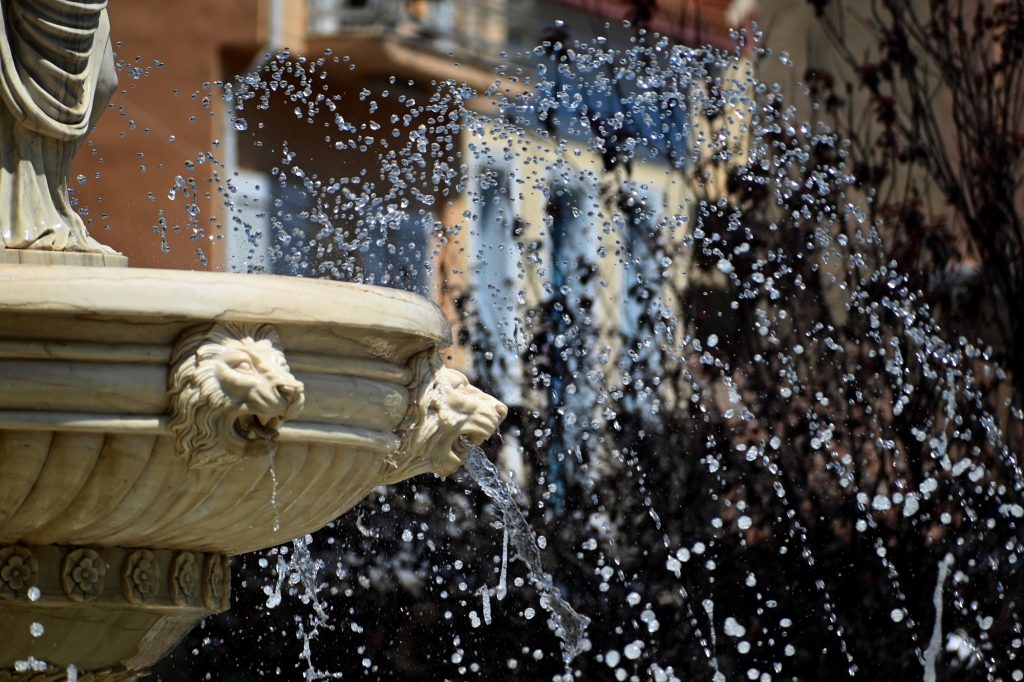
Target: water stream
[[570, 626], [935, 641]]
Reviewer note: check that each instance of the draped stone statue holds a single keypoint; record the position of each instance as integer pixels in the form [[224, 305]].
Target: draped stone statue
[[56, 77]]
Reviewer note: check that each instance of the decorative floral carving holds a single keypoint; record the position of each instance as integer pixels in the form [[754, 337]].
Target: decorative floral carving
[[122, 578], [444, 408], [230, 390], [215, 579], [184, 579], [84, 574], [141, 577], [18, 570]]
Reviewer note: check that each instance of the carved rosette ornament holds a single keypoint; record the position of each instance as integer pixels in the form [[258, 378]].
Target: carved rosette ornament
[[84, 575], [230, 389], [18, 571], [215, 583], [444, 409], [140, 577], [185, 579], [71, 576]]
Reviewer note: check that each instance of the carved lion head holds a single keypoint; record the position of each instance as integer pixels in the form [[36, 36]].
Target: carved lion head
[[230, 389], [445, 409]]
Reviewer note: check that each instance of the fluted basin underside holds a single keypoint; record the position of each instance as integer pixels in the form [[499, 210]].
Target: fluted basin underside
[[127, 490]]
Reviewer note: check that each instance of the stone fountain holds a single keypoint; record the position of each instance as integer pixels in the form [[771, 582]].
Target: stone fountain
[[153, 423]]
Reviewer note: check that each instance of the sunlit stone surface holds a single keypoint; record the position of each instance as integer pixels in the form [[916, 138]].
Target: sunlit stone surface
[[205, 415]]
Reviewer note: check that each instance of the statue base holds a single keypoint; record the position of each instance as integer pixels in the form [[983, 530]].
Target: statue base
[[40, 257]]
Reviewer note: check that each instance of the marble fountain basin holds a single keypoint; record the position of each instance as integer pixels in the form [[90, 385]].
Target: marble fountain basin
[[154, 423]]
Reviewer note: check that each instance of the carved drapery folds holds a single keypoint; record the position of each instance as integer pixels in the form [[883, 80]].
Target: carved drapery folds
[[56, 75], [230, 389], [444, 408]]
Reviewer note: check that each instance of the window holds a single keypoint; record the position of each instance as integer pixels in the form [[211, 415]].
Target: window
[[327, 17], [400, 257], [572, 251], [248, 233], [640, 208], [496, 262], [290, 227], [572, 343]]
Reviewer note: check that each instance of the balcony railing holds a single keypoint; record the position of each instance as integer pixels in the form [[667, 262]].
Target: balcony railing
[[484, 28]]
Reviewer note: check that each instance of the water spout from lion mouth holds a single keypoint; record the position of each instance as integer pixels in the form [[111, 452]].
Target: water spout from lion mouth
[[445, 408], [256, 427]]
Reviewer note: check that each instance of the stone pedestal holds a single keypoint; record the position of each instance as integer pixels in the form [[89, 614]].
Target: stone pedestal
[[88, 606], [33, 257]]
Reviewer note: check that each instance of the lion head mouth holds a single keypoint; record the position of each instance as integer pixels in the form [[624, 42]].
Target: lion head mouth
[[265, 409], [255, 427], [231, 391], [450, 412], [479, 425]]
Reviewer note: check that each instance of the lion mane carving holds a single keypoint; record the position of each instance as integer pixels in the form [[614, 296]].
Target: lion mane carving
[[444, 409], [229, 390]]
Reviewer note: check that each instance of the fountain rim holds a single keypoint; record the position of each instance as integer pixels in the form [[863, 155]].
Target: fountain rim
[[98, 293]]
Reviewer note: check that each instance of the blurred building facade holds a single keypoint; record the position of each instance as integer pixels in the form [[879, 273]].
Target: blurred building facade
[[173, 180], [148, 180]]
